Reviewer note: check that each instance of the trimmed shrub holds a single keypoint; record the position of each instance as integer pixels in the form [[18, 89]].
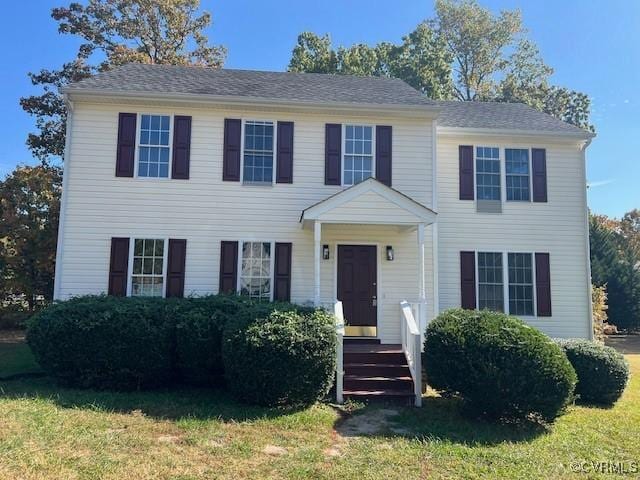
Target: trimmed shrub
[[105, 342], [200, 322], [285, 358], [602, 372], [501, 367]]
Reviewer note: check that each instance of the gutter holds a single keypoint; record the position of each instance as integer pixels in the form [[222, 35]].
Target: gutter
[[587, 243], [519, 132]]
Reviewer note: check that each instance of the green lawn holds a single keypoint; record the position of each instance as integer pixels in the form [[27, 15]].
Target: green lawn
[[48, 432], [15, 356]]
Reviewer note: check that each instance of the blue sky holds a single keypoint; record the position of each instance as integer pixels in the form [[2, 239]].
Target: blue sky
[[594, 47]]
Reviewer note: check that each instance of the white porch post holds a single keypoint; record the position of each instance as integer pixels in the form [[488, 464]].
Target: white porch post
[[422, 291], [317, 237]]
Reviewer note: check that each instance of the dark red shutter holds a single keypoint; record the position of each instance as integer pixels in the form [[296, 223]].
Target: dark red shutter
[[543, 285], [383, 154], [284, 160], [126, 149], [231, 154], [282, 273], [468, 280], [119, 267], [539, 168], [332, 153], [228, 267], [175, 267], [465, 154], [181, 147]]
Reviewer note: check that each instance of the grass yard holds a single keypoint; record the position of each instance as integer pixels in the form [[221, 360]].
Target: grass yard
[[47, 432]]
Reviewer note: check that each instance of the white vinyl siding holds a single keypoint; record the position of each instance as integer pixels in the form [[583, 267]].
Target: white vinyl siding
[[557, 227], [205, 210]]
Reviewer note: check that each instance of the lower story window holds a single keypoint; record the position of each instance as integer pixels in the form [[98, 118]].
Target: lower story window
[[147, 274], [490, 285], [520, 284], [255, 273]]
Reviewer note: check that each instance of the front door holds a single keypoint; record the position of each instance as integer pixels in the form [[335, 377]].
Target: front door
[[357, 289]]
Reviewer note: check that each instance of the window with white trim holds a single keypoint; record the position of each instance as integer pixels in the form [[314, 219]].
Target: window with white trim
[[520, 284], [255, 270], [488, 173], [517, 174], [358, 154], [154, 147], [490, 282], [147, 273], [258, 152]]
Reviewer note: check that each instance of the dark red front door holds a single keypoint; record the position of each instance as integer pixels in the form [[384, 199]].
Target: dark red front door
[[357, 287]]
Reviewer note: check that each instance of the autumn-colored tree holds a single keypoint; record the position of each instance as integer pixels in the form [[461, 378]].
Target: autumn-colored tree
[[29, 212], [115, 32]]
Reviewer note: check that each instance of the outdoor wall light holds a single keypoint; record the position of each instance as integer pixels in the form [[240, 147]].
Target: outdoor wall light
[[325, 252], [390, 253]]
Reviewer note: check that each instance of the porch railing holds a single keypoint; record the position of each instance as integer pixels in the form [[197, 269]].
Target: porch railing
[[335, 306], [412, 348]]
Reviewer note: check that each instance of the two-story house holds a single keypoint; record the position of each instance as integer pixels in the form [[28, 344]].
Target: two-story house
[[310, 187]]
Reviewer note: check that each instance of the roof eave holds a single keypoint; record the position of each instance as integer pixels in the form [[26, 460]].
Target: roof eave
[[578, 135], [430, 111]]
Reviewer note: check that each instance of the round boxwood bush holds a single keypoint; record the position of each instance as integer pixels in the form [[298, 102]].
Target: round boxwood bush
[[602, 372], [501, 367], [105, 342], [285, 358]]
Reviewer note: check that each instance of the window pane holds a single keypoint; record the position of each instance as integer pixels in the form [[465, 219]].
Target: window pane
[[358, 158], [487, 173], [258, 152], [490, 284], [517, 174], [521, 284], [255, 276], [147, 278]]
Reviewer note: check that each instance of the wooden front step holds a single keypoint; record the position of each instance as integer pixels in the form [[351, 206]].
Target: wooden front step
[[376, 372]]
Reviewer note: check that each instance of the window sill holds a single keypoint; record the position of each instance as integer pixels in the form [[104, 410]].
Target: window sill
[[258, 184]]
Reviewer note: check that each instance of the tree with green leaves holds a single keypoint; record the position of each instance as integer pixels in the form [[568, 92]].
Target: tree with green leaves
[[29, 212], [115, 32], [615, 263]]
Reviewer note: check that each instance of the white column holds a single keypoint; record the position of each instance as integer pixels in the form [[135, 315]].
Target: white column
[[317, 236], [422, 291]]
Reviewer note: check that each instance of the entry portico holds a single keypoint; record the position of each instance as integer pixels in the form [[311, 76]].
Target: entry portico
[[364, 235]]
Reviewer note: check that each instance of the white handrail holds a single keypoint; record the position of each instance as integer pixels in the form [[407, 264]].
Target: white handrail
[[412, 348]]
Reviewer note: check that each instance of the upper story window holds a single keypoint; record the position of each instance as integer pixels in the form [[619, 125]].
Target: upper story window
[[154, 149], [488, 173], [358, 154], [255, 272], [520, 284], [147, 274], [258, 152], [517, 174], [490, 283]]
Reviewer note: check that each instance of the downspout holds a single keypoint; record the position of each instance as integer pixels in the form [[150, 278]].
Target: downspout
[[63, 200], [434, 226], [583, 148]]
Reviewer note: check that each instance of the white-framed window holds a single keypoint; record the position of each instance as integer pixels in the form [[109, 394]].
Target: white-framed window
[[154, 145], [148, 261], [256, 270], [505, 282], [357, 159], [490, 281], [517, 171], [258, 151], [521, 296], [488, 173]]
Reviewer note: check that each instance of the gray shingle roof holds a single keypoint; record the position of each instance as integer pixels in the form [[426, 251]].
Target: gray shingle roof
[[318, 88], [502, 116], [303, 87]]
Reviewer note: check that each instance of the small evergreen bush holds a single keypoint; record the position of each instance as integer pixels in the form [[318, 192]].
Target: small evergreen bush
[[602, 372], [501, 367]]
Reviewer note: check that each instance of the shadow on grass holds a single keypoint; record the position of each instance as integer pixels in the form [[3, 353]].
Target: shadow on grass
[[172, 404], [439, 419]]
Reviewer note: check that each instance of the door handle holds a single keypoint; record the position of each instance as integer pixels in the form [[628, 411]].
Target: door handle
[[374, 302]]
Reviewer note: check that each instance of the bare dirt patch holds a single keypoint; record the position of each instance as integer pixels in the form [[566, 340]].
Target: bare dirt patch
[[12, 336], [370, 422]]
